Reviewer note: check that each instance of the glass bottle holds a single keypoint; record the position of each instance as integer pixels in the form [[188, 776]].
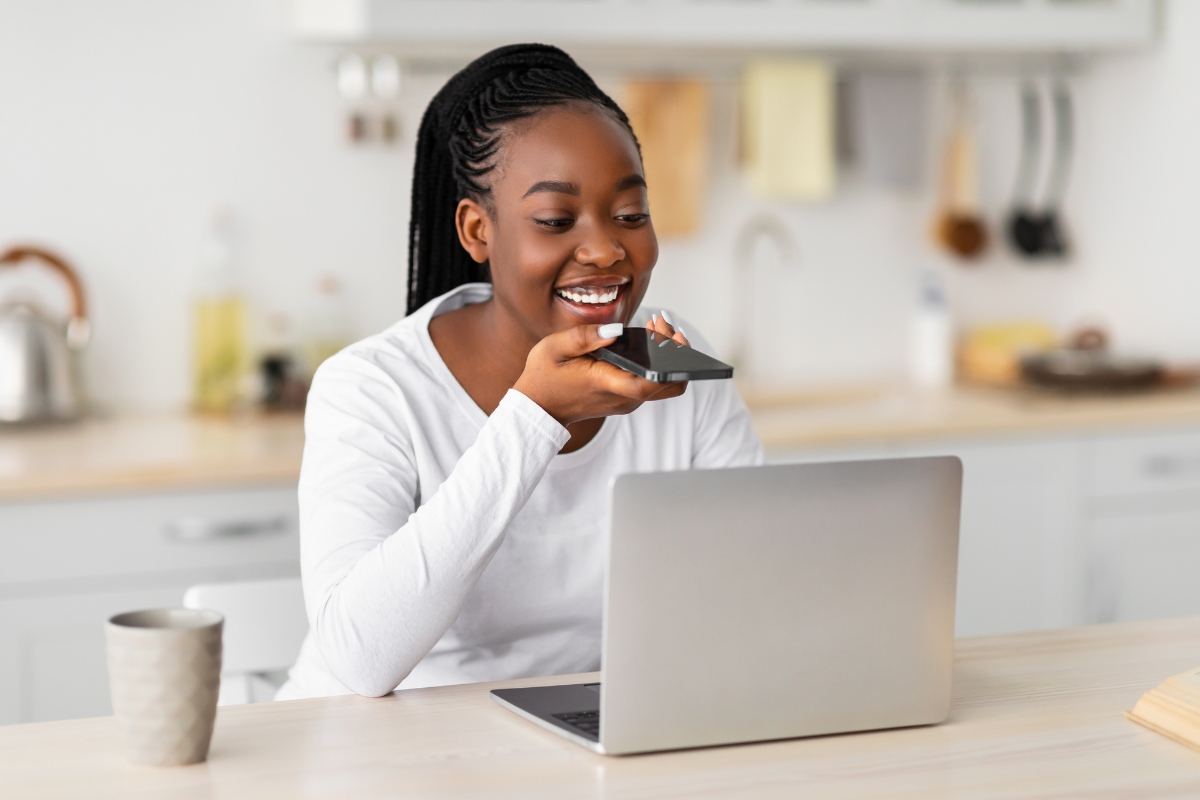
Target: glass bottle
[[219, 322]]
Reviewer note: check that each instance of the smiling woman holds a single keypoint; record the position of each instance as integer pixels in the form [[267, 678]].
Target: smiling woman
[[454, 490]]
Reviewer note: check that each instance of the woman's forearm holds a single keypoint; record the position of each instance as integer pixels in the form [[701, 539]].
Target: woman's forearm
[[375, 620]]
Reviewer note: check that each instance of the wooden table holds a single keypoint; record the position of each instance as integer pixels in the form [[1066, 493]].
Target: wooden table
[[1035, 715]]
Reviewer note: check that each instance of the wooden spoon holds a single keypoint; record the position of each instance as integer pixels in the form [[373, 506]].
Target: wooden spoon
[[958, 226]]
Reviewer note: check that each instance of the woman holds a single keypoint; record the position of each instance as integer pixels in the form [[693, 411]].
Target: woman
[[454, 489]]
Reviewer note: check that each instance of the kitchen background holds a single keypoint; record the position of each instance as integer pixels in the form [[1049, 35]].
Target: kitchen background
[[125, 123], [173, 151]]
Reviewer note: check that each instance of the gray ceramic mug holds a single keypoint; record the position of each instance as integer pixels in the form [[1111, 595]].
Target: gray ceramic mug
[[164, 672]]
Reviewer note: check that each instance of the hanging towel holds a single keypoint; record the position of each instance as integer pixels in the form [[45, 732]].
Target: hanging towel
[[670, 118], [788, 128]]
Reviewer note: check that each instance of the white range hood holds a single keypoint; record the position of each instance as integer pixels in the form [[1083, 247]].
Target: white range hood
[[868, 26]]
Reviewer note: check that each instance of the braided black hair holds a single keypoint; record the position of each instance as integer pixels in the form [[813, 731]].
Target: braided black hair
[[458, 140]]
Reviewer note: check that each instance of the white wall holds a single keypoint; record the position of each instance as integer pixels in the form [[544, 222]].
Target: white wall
[[123, 122]]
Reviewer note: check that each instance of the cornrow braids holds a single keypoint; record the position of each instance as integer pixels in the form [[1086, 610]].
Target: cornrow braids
[[460, 136]]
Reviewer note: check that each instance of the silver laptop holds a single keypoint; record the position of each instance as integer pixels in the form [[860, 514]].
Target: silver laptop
[[768, 603]]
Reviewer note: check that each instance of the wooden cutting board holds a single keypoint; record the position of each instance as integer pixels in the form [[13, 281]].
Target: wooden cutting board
[[671, 120]]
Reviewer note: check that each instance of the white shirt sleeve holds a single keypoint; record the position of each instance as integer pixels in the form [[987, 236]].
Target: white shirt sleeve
[[383, 578]]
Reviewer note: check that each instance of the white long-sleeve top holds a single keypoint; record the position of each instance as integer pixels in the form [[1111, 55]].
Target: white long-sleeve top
[[439, 545]]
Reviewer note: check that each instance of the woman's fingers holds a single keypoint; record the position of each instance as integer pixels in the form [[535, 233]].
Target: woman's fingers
[[661, 323], [620, 383], [582, 339]]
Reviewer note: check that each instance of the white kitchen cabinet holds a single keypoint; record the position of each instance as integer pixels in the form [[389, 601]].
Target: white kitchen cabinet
[[1021, 560], [69, 565], [1064, 530], [1143, 525], [855, 25], [1144, 566]]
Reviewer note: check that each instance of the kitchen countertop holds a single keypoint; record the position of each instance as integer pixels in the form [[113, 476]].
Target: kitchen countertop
[[875, 415], [163, 452], [1033, 715], [149, 452]]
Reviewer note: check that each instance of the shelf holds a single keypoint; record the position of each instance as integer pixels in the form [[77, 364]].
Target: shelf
[[429, 28]]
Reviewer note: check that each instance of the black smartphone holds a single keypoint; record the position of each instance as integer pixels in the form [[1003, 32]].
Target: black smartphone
[[660, 359]]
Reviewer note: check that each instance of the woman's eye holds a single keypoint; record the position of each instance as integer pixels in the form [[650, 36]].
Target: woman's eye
[[633, 219], [559, 223]]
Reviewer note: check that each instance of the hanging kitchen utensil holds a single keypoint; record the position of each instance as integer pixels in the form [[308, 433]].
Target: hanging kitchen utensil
[[1025, 224], [958, 226], [1039, 234], [1054, 244], [39, 370]]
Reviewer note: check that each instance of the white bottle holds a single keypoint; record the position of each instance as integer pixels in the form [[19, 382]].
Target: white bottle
[[931, 338]]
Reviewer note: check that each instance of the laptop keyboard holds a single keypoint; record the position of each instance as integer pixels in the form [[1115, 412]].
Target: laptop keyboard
[[585, 722]]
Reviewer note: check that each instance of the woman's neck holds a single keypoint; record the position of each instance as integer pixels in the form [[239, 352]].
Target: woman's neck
[[485, 349]]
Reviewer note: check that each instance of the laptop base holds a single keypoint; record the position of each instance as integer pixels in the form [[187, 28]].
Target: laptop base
[[544, 705]]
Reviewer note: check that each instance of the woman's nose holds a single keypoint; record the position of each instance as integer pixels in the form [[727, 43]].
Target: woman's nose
[[600, 249]]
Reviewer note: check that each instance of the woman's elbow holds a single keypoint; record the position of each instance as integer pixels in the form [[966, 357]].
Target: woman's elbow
[[351, 662]]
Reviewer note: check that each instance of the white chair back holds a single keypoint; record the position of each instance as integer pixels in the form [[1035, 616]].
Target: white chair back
[[265, 624]]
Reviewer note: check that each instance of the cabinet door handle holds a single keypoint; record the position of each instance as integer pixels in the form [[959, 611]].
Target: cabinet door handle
[[199, 529]]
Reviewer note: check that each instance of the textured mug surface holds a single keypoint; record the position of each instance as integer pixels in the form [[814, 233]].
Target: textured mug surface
[[164, 672]]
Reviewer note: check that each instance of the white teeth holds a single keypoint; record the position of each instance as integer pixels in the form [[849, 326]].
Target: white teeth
[[589, 296]]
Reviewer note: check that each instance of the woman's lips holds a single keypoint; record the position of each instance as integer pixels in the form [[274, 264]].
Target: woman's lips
[[592, 303], [590, 295]]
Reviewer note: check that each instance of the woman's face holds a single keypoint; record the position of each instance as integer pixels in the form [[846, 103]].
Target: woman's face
[[568, 237]]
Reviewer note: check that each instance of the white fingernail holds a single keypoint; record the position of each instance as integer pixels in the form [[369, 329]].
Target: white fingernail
[[611, 330], [680, 332], [653, 318], [667, 318]]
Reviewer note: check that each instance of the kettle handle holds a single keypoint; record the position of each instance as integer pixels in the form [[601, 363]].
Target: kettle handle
[[78, 328]]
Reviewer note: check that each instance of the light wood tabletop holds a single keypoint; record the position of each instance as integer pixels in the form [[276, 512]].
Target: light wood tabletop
[[1034, 715]]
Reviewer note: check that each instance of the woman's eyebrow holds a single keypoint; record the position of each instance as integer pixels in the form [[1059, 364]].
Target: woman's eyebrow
[[630, 181], [557, 187]]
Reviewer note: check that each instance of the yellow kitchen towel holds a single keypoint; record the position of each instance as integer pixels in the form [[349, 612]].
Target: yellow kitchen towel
[[671, 120], [788, 128]]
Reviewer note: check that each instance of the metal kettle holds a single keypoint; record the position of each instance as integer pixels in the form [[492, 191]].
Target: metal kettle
[[39, 355]]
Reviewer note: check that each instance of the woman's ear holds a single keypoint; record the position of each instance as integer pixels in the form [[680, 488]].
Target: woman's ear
[[474, 229]]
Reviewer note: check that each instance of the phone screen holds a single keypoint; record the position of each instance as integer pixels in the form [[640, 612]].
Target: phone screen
[[660, 359]]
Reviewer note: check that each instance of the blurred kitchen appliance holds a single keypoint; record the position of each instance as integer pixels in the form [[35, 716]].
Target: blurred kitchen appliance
[[1088, 365], [39, 369]]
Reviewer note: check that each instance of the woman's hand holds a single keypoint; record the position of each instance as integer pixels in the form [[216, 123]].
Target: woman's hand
[[661, 323], [573, 386]]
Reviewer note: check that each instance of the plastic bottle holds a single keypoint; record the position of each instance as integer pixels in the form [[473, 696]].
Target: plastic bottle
[[931, 344], [218, 321]]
